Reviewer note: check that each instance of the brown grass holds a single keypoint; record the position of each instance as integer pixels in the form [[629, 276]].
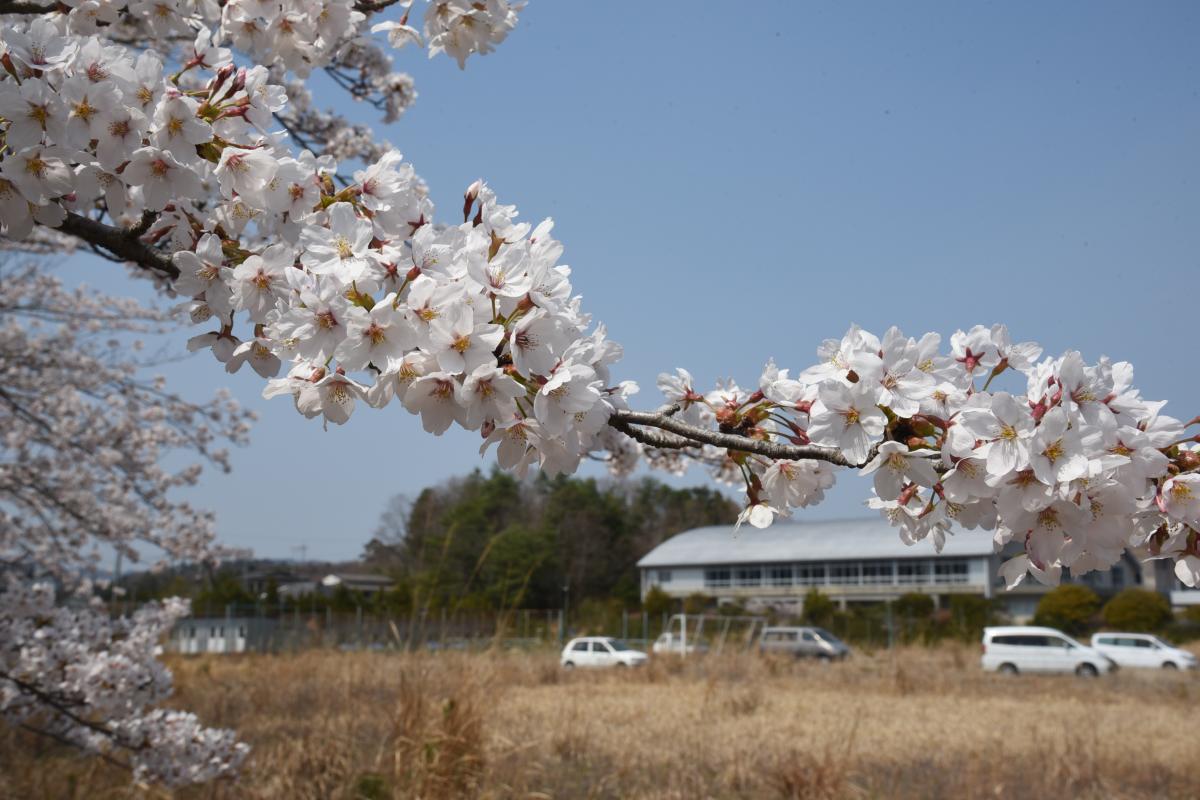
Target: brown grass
[[912, 723]]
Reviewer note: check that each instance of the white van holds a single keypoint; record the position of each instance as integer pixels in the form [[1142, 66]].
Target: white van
[[1142, 650], [1015, 649]]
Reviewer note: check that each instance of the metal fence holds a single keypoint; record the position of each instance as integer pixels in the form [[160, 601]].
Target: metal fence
[[290, 628]]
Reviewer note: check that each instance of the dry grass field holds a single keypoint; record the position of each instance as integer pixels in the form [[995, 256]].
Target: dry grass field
[[914, 723]]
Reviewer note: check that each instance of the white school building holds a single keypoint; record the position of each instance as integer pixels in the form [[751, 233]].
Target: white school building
[[855, 560]]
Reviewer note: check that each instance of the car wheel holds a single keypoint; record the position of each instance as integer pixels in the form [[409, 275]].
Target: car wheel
[[1086, 671], [1171, 665], [1008, 669], [568, 665]]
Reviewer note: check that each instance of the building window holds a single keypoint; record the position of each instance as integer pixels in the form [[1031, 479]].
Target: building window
[[913, 572], [715, 578], [664, 576], [779, 576], [1118, 576], [749, 576], [950, 572], [810, 574], [844, 573], [878, 572]]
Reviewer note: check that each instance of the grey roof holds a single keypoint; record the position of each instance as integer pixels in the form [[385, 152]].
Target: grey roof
[[831, 540]]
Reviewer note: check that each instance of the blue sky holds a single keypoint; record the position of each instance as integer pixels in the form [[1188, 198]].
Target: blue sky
[[735, 182]]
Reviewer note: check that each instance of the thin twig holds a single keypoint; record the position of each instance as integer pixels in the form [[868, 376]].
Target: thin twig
[[686, 435]]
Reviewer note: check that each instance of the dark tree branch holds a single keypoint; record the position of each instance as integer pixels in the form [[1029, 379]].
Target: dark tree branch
[[61, 707], [124, 244], [368, 7], [679, 435], [65, 741], [25, 7]]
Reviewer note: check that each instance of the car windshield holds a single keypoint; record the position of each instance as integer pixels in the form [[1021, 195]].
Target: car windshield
[[826, 636], [617, 644]]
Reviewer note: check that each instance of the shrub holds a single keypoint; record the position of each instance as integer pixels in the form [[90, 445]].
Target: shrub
[[969, 614], [818, 609], [695, 603], [1069, 608], [913, 606], [656, 602], [1137, 610]]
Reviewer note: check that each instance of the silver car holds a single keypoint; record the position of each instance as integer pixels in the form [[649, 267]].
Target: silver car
[[803, 643]]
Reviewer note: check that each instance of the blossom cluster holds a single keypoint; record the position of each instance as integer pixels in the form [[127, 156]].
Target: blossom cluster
[[1068, 473], [85, 434], [472, 324], [90, 125], [72, 672]]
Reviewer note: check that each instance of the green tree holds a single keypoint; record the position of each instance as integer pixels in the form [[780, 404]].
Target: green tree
[[818, 609], [223, 590], [1137, 610], [1069, 608], [656, 602], [492, 541]]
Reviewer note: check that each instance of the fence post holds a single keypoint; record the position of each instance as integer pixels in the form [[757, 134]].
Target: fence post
[[624, 623], [891, 634]]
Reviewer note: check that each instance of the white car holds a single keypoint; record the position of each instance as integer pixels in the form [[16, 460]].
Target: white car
[[1016, 649], [600, 651], [1142, 650], [672, 643]]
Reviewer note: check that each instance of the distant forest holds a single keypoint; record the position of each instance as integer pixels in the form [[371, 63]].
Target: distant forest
[[483, 542], [491, 541]]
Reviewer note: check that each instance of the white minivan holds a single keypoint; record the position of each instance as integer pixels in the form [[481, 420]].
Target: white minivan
[[1142, 650], [1016, 649]]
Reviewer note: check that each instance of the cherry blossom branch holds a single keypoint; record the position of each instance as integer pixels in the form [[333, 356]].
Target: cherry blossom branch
[[686, 435], [63, 740], [60, 706], [119, 242]]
